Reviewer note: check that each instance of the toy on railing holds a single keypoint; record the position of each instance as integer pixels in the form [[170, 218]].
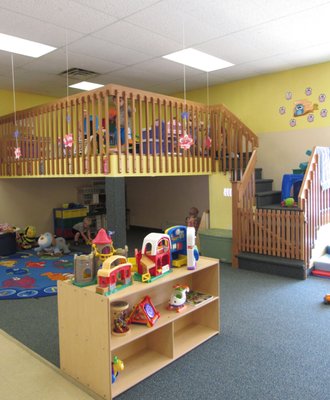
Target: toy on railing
[[178, 298], [114, 275], [144, 313], [51, 246], [153, 261], [117, 366]]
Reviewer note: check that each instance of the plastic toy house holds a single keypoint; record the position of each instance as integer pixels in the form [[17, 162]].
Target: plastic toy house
[[178, 235], [102, 246], [84, 269], [114, 275], [154, 259]]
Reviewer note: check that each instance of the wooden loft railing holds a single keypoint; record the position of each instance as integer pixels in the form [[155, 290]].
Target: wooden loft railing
[[314, 197], [282, 233], [76, 136]]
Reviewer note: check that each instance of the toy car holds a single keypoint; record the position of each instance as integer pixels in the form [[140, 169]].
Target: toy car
[[326, 298]]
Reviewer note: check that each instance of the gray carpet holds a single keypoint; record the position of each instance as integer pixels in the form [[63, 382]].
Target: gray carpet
[[274, 342]]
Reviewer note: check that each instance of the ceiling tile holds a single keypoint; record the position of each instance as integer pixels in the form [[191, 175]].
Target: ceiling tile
[[107, 51], [138, 38]]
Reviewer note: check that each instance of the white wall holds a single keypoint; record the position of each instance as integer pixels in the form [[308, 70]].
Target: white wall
[[280, 152], [163, 201]]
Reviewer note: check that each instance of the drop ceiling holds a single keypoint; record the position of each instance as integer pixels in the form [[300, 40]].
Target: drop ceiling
[[123, 41]]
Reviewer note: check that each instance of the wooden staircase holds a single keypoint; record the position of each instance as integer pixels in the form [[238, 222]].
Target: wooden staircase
[[269, 221]]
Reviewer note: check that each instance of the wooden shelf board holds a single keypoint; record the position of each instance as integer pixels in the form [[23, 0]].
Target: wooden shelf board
[[142, 364], [166, 317], [190, 337]]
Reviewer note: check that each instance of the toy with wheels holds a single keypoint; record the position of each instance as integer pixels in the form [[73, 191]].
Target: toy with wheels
[[326, 298], [117, 366]]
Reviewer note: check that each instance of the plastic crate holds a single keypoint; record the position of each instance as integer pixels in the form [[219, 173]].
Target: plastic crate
[[216, 243], [63, 213]]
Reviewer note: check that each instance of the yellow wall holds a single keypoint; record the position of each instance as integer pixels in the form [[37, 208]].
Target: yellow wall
[[256, 101], [23, 100]]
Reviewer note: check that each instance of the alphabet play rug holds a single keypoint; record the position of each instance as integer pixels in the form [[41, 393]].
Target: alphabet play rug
[[26, 275]]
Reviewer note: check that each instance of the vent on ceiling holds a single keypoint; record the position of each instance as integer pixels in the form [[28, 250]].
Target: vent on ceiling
[[79, 73]]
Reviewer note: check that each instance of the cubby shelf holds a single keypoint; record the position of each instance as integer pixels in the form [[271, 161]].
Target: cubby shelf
[[87, 345]]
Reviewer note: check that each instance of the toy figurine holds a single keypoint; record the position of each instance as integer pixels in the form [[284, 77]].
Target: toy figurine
[[178, 298], [117, 366], [326, 298]]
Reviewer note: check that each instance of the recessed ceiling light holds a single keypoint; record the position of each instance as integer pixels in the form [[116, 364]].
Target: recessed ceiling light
[[197, 59], [84, 85], [24, 47]]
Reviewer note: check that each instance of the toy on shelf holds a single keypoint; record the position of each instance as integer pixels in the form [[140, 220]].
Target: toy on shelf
[[178, 298], [114, 275], [102, 246], [119, 315], [153, 261], [144, 313], [178, 235], [84, 270], [51, 246], [117, 366], [28, 238], [192, 251]]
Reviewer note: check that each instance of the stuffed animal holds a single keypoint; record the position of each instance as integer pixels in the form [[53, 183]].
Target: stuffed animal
[[28, 239], [50, 245]]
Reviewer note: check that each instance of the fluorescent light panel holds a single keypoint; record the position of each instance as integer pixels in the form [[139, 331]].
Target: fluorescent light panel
[[197, 59], [16, 45], [84, 85]]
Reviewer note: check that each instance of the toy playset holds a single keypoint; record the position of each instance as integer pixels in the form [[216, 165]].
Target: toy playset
[[84, 269], [153, 261], [144, 313], [178, 235], [114, 275]]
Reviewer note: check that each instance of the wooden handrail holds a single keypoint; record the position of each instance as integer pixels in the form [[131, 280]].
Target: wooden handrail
[[146, 138]]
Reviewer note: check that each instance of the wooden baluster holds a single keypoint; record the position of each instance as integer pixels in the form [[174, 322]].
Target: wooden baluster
[[133, 132], [154, 136]]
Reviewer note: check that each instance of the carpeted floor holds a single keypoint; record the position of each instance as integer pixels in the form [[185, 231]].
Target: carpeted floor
[[273, 345]]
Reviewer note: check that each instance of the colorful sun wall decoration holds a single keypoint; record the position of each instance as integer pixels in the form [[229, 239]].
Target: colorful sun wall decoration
[[304, 108]]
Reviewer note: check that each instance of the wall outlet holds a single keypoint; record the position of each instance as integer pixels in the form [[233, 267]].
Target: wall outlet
[[227, 192]]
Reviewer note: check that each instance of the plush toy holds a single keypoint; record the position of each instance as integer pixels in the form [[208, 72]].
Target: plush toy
[[28, 238], [50, 245]]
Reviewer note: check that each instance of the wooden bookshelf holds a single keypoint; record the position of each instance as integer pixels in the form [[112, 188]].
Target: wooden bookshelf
[[87, 345]]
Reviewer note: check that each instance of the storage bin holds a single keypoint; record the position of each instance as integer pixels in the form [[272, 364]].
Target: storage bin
[[7, 243], [63, 213], [216, 243]]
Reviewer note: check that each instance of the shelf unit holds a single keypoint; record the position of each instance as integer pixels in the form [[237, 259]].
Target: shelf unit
[[87, 345]]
